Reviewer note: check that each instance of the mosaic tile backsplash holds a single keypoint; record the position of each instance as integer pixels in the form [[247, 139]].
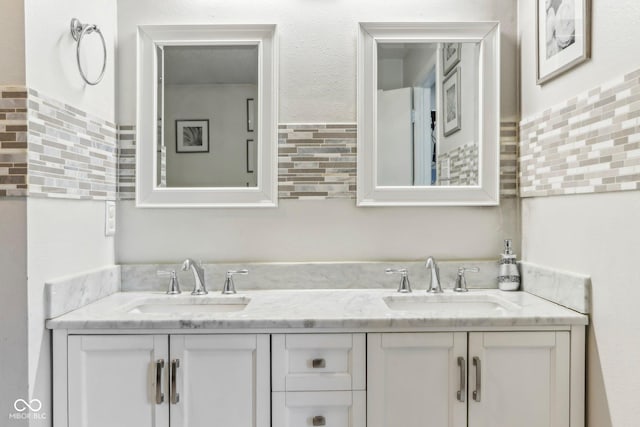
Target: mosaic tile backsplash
[[316, 161], [462, 165], [589, 144], [13, 141], [71, 154]]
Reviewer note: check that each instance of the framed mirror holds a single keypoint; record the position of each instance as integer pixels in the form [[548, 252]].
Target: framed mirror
[[428, 114], [207, 116]]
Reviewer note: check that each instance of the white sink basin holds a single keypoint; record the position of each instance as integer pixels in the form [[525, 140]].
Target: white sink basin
[[187, 305], [451, 303]]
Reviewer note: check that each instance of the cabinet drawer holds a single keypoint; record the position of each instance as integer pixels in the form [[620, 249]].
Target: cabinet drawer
[[314, 362], [319, 408]]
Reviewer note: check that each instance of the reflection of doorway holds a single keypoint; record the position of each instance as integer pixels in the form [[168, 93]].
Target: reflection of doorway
[[395, 137], [424, 102], [405, 140]]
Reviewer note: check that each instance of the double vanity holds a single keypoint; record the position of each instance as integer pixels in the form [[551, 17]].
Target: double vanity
[[318, 357], [317, 345]]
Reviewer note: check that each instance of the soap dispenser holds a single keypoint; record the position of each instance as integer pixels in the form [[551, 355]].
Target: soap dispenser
[[508, 274]]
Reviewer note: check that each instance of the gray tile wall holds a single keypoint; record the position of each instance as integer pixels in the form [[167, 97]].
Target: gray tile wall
[[71, 154], [317, 161], [508, 159], [588, 144], [127, 162], [13, 141], [463, 165]]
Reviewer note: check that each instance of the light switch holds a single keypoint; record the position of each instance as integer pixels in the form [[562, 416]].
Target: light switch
[[110, 218]]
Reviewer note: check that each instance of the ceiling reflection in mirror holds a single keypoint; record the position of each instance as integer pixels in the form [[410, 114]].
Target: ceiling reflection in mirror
[[427, 128], [207, 116]]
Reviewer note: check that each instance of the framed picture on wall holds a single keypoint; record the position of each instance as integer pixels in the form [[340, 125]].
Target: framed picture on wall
[[563, 36], [251, 156], [192, 136], [451, 54], [451, 103], [250, 115]]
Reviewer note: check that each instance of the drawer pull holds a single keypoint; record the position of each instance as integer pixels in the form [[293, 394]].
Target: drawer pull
[[463, 379], [319, 420], [175, 396], [319, 363], [478, 366], [159, 393]]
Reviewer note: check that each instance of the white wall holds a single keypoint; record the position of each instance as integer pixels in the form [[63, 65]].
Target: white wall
[[51, 53], [597, 235], [594, 234], [317, 84], [317, 44], [64, 236], [12, 42], [313, 230], [225, 106], [13, 303]]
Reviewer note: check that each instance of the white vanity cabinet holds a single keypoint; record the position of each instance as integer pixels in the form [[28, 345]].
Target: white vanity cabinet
[[475, 379], [319, 380], [167, 380]]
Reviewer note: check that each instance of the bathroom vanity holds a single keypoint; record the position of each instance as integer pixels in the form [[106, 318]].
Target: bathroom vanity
[[339, 357]]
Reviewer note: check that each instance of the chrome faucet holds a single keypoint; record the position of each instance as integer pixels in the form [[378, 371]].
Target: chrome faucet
[[229, 287], [434, 286], [198, 276], [461, 281], [404, 287]]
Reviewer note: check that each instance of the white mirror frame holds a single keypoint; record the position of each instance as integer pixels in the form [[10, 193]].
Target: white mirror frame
[[486, 193], [148, 194]]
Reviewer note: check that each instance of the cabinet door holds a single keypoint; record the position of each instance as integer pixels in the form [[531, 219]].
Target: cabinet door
[[220, 380], [416, 380], [112, 381], [519, 379], [319, 408]]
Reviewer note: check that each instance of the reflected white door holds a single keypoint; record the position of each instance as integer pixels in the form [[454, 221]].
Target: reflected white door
[[422, 150], [395, 137]]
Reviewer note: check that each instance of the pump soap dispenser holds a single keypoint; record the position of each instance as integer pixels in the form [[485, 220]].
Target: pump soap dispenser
[[508, 275]]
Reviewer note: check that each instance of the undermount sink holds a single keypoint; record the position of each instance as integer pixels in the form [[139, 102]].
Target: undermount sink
[[167, 305], [450, 303]]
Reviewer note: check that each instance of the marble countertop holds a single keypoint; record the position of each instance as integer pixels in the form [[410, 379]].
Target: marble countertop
[[361, 309]]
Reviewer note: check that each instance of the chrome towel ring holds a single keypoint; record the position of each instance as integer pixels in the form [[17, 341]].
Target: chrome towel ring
[[78, 31]]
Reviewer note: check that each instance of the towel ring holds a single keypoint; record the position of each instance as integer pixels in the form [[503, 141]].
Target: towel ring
[[78, 31]]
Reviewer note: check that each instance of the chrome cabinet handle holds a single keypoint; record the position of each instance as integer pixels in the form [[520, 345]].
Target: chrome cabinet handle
[[319, 363], [159, 393], [175, 397], [463, 379], [319, 420], [478, 366]]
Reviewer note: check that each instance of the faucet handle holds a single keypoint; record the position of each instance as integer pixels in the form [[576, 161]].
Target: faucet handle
[[461, 281], [229, 287], [174, 285], [405, 286]]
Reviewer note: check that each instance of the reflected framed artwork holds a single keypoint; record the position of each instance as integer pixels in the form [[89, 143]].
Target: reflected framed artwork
[[251, 156], [451, 54], [192, 136], [563, 36], [451, 103], [250, 115]]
